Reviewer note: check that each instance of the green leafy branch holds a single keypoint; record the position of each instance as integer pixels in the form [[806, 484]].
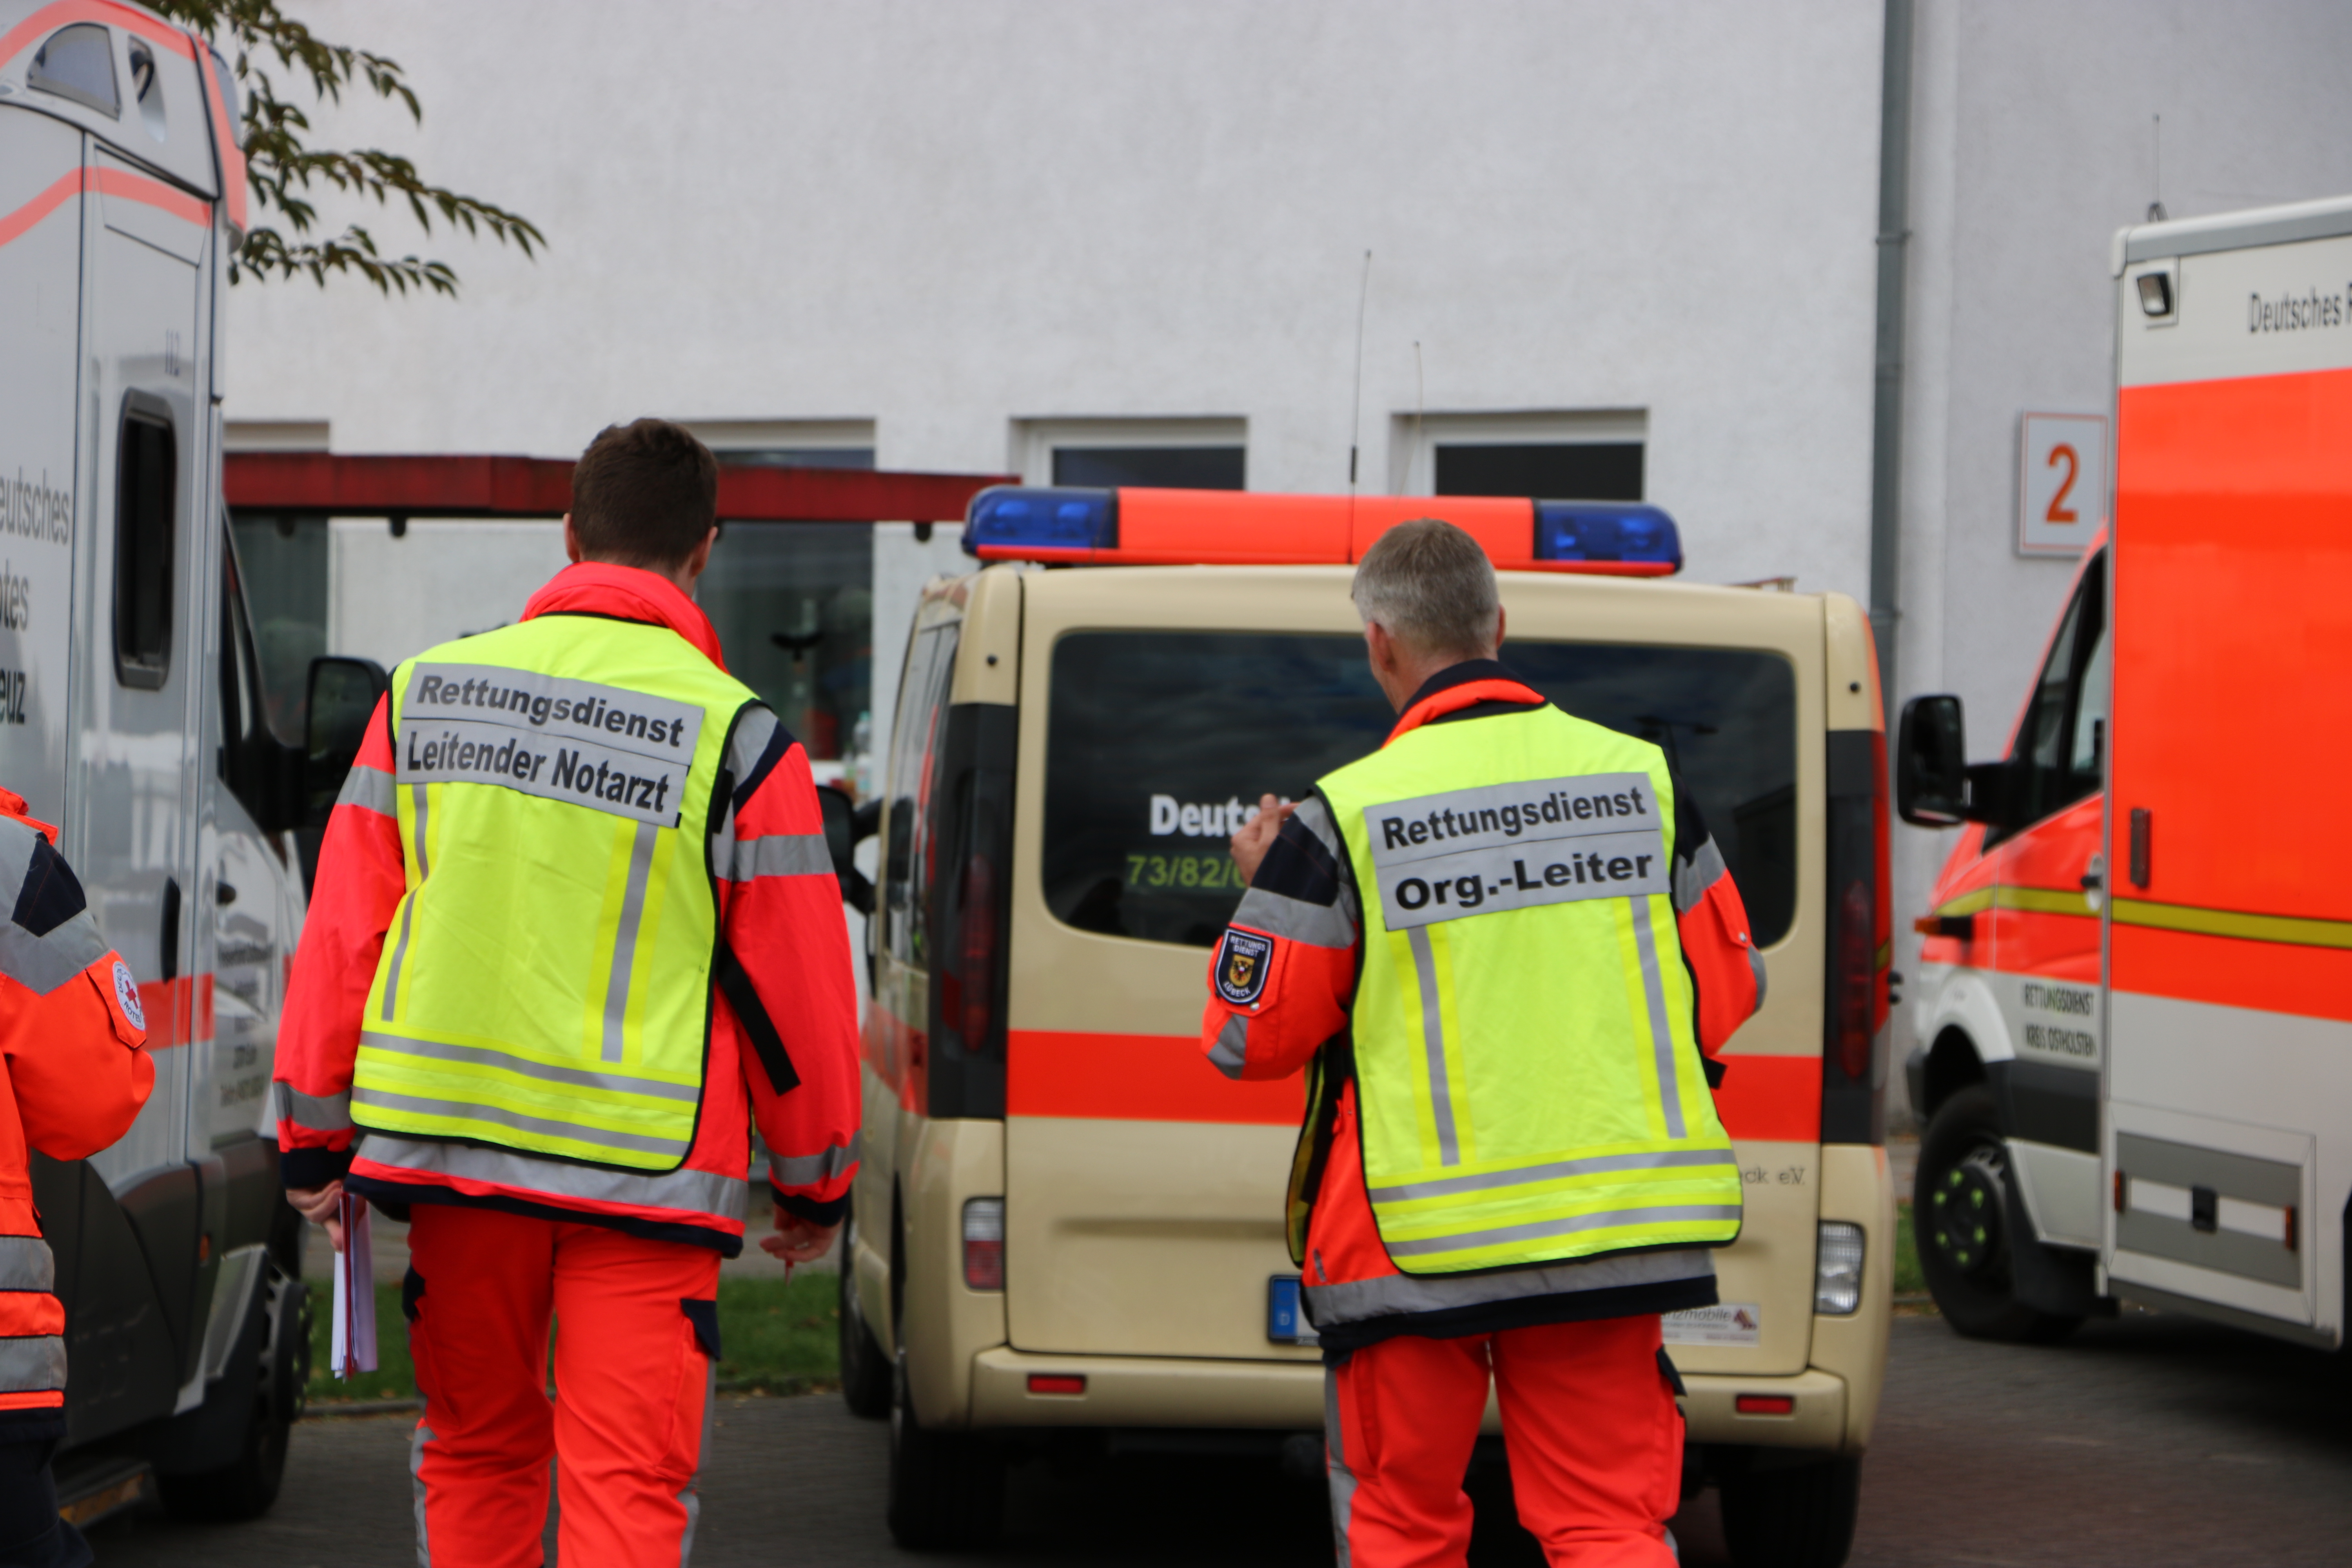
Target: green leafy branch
[[282, 168]]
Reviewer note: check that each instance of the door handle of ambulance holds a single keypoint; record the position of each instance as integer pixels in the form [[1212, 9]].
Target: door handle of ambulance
[[223, 893], [2093, 880]]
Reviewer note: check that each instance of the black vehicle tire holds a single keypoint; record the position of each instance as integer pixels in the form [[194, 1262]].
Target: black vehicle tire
[[947, 1489], [1801, 1517], [1959, 1215], [246, 1486], [865, 1371]]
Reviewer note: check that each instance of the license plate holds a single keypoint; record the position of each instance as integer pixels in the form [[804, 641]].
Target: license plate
[[1286, 1315]]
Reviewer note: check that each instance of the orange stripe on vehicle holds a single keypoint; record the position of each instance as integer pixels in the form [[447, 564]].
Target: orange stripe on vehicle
[[178, 1011], [49, 1399], [2229, 972], [125, 186], [63, 189], [48, 18], [1773, 1100], [1138, 1077], [119, 183]]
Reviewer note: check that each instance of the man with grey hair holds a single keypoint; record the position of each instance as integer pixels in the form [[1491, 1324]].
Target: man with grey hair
[[1511, 1164]]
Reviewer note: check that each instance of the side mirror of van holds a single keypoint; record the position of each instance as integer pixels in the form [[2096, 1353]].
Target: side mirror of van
[[343, 695], [1934, 786], [1931, 763], [841, 838]]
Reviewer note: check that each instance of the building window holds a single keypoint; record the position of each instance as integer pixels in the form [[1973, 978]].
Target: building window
[[794, 602], [1566, 456], [789, 443], [1169, 453]]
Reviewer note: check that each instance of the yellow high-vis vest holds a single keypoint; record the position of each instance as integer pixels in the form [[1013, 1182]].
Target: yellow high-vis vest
[[1528, 1084], [545, 984]]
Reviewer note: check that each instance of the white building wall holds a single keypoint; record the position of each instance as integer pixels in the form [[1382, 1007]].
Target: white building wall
[[2033, 143], [948, 216]]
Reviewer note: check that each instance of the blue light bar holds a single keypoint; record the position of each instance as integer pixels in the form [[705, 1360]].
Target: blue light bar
[[1041, 524], [1625, 533]]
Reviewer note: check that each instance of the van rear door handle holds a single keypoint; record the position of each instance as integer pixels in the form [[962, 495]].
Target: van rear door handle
[[224, 892]]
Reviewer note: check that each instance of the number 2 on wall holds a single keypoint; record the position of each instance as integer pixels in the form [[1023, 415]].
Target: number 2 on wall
[[2059, 510]]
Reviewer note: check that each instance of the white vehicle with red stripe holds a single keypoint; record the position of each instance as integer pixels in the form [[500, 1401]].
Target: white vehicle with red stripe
[[1068, 1230], [130, 715]]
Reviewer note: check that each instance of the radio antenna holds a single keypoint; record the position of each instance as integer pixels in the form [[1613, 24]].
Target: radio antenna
[[1356, 412], [2156, 158]]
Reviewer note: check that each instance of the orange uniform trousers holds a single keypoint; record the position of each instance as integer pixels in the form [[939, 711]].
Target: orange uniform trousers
[[1589, 1422], [632, 1379]]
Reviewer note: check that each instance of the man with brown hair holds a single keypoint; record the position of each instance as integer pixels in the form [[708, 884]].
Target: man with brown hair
[[575, 930]]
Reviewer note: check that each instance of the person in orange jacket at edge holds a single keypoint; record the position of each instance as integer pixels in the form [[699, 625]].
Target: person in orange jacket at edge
[[73, 1074], [1511, 1164], [575, 930]]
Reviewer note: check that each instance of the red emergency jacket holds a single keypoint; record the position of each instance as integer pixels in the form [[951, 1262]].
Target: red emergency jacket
[[781, 917], [1304, 897], [72, 1077]]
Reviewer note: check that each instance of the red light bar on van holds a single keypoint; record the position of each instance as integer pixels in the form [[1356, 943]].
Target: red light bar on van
[[1227, 528]]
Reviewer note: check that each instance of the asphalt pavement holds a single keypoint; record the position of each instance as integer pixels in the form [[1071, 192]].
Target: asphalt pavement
[[2146, 1440]]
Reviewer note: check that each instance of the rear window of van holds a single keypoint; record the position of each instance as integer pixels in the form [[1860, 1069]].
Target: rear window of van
[[1158, 743]]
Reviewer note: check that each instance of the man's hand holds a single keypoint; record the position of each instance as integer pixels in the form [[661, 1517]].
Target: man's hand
[[1256, 835], [320, 1205], [798, 1240]]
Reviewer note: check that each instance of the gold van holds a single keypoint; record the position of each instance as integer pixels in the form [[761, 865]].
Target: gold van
[[1068, 1227]]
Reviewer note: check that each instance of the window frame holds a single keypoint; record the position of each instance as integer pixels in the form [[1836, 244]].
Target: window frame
[[1035, 441], [918, 822], [2090, 590], [1415, 435], [133, 670]]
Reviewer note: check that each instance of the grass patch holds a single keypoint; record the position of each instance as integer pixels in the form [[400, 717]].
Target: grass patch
[[775, 1334], [1908, 1281]]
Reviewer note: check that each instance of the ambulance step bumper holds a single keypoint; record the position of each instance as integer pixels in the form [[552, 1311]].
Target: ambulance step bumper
[[1807, 1410], [1144, 1391]]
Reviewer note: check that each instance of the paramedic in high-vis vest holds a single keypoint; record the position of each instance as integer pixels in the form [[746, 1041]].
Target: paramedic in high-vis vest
[[575, 930], [72, 1077], [1500, 945]]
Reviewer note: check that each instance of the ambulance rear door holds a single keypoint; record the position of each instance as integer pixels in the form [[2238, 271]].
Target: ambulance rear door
[[2228, 1080]]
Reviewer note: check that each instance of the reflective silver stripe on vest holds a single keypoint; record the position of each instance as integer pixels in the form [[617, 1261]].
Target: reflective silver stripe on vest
[[1394, 1295], [1231, 1053], [26, 1263], [483, 1055], [699, 1192], [1661, 1038], [407, 908], [1279, 914], [780, 855], [462, 1110], [1565, 1224], [1525, 1174], [808, 1169], [370, 789], [318, 1112], [1432, 1036], [1695, 877], [34, 1364], [625, 940]]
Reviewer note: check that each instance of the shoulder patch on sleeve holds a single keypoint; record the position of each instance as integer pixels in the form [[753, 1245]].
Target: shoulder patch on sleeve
[[1244, 960], [50, 894]]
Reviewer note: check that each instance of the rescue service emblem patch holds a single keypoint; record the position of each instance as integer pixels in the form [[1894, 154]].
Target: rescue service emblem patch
[[1243, 960], [126, 991]]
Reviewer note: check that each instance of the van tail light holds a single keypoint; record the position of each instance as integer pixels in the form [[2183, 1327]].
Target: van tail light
[[976, 1011], [1765, 1403], [1855, 980], [984, 1244], [1861, 938]]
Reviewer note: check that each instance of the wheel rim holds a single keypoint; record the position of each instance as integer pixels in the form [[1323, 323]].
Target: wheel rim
[[1965, 1207]]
